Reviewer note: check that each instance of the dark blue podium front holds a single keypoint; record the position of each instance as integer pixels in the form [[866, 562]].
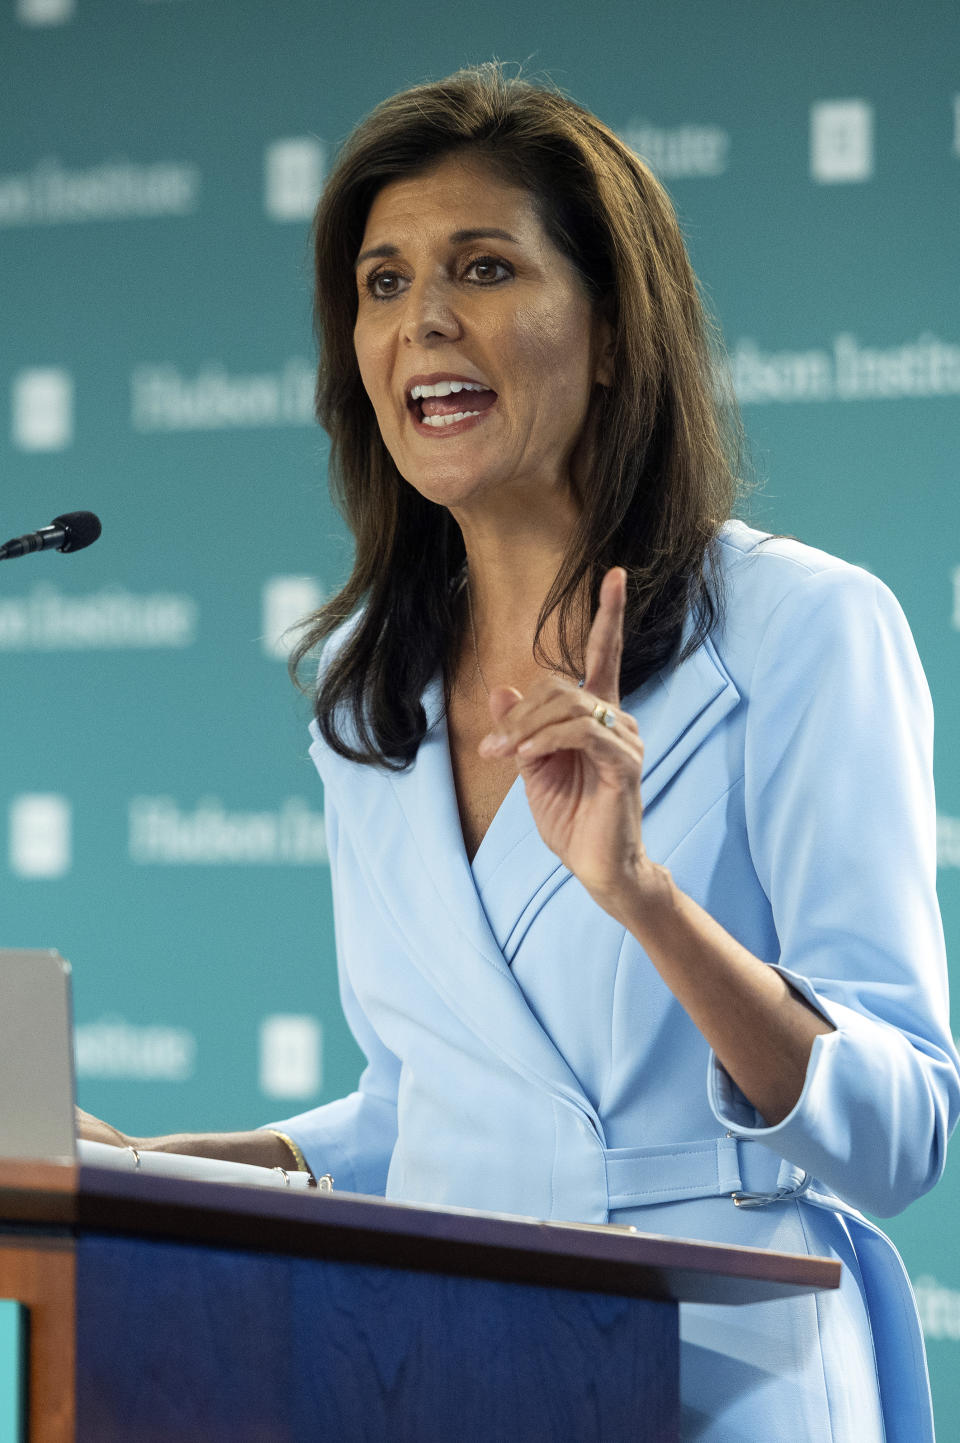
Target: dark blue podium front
[[212, 1312]]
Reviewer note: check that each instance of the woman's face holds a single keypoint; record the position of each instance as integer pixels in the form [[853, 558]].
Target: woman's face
[[459, 285]]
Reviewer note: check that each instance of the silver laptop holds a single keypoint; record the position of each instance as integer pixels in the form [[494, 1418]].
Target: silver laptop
[[36, 1057]]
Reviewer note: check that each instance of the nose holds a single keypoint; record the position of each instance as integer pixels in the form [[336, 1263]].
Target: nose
[[428, 315]]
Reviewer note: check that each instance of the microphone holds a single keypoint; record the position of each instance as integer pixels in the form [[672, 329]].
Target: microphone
[[70, 532]]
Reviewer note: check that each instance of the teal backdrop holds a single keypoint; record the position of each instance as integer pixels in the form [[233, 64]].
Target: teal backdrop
[[159, 161]]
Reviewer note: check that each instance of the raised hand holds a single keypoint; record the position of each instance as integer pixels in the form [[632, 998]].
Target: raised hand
[[582, 774]]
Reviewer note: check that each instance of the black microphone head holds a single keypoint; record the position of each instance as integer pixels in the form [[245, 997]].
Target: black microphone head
[[82, 529]]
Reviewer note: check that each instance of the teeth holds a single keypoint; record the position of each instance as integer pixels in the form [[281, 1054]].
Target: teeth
[[449, 420], [444, 388]]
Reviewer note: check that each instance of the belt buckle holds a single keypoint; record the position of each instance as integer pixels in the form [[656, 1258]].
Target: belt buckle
[[743, 1199]]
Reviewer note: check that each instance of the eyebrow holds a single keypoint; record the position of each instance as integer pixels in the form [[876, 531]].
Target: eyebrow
[[459, 237]]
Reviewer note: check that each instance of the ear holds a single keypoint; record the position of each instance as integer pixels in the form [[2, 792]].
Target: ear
[[604, 342]]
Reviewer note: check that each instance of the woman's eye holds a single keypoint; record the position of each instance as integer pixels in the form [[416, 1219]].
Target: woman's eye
[[488, 270], [384, 284]]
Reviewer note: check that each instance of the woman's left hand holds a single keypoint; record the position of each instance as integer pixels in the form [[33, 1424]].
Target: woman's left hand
[[582, 775]]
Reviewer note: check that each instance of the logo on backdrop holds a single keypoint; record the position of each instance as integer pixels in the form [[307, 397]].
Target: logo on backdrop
[[40, 835], [681, 152], [293, 177], [119, 189], [163, 399], [939, 1309], [44, 12], [948, 841], [161, 833], [841, 141], [287, 601], [847, 371], [42, 409], [112, 619], [291, 1055], [114, 1048]]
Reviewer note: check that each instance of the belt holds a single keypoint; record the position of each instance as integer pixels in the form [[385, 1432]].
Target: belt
[[747, 1172]]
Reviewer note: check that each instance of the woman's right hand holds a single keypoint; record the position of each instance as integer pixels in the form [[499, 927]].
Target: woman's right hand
[[261, 1147], [92, 1129]]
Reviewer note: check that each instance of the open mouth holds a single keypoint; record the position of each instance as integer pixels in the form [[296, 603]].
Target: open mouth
[[447, 403]]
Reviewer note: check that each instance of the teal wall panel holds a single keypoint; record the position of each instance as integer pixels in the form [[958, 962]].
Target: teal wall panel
[[157, 166], [13, 1371]]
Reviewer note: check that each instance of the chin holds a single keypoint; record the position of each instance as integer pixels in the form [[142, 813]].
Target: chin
[[453, 487]]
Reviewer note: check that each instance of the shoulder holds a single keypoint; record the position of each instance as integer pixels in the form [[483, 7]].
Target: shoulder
[[791, 607], [337, 641], [330, 649], [765, 576], [751, 559]]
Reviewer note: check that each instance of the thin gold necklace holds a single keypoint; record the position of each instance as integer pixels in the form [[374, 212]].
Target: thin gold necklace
[[473, 633]]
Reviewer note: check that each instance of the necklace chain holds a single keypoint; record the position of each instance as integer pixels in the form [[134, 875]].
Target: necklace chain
[[473, 633]]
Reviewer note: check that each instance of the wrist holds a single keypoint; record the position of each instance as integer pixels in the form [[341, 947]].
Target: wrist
[[645, 894], [293, 1149]]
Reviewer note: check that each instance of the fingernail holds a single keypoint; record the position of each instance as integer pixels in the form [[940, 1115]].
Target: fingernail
[[492, 742]]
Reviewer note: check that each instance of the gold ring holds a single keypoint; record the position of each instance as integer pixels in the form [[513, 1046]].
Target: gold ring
[[605, 715]]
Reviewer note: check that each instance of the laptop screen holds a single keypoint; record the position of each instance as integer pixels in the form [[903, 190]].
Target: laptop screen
[[36, 1057]]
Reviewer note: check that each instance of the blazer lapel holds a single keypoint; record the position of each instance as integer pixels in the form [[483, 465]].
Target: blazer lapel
[[406, 830], [677, 711], [516, 873]]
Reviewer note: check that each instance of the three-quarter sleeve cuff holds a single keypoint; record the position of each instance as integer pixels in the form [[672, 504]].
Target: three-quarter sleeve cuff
[[864, 1109], [729, 1105]]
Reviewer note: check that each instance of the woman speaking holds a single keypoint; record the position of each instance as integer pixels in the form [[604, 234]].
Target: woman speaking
[[629, 806]]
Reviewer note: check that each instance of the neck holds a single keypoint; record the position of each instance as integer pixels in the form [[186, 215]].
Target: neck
[[511, 569]]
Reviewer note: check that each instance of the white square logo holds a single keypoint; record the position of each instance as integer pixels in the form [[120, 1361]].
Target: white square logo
[[293, 174], [286, 601], [44, 12], [40, 835], [841, 141], [290, 1055], [42, 409]]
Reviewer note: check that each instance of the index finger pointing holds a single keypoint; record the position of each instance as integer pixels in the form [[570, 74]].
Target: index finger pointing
[[605, 641]]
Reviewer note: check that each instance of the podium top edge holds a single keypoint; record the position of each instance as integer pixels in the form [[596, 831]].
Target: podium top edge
[[350, 1227]]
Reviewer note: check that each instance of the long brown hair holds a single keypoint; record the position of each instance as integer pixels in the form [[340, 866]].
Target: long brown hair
[[666, 435]]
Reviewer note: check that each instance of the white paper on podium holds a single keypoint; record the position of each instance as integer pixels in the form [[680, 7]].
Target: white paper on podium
[[194, 1169]]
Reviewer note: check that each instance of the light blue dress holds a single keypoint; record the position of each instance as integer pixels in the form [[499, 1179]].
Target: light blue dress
[[525, 1057]]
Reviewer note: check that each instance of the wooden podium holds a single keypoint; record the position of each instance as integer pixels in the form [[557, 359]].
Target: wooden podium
[[187, 1312]]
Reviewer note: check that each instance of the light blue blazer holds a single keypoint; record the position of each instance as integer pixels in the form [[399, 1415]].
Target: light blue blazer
[[525, 1057]]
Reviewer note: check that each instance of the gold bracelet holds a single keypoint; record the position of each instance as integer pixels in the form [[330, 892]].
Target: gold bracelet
[[298, 1157]]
